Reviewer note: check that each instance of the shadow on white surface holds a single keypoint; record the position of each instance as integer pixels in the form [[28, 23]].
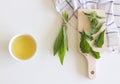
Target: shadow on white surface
[[4, 42], [80, 61]]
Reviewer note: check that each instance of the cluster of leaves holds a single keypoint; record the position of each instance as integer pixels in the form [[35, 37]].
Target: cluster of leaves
[[61, 42], [95, 27], [85, 46]]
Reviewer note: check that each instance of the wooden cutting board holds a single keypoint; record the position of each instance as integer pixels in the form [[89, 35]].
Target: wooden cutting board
[[83, 22]]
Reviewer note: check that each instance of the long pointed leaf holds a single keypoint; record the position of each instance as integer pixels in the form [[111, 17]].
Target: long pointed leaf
[[98, 27], [65, 36], [63, 47], [100, 40], [100, 17], [88, 14], [95, 54], [62, 53], [58, 42], [65, 16]]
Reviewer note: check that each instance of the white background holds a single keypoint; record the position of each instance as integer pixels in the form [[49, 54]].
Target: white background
[[39, 18]]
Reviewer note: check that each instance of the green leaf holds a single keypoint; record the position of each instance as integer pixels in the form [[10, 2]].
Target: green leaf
[[65, 36], [88, 14], [84, 45], [63, 48], [95, 30], [100, 40], [95, 54], [58, 42], [62, 53], [61, 42], [94, 22], [100, 17], [89, 37], [95, 27], [93, 17], [65, 16]]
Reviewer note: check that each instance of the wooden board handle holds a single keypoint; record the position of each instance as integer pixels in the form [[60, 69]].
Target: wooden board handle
[[91, 66]]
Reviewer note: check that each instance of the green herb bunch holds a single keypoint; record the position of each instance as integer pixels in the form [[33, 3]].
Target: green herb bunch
[[61, 42], [95, 27], [85, 46]]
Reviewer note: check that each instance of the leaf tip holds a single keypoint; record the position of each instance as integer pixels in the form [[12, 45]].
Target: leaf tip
[[98, 57], [61, 61]]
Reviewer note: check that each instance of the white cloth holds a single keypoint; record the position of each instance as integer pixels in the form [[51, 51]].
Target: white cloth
[[112, 31]]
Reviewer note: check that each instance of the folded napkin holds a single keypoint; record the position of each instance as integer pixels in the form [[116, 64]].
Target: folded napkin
[[112, 31]]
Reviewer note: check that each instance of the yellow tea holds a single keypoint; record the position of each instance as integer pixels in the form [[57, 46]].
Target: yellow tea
[[23, 47]]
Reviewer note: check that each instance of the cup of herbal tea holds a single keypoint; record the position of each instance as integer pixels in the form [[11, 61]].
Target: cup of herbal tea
[[23, 47]]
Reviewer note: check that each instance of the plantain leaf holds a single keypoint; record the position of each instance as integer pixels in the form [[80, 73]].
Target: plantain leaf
[[93, 17], [88, 14], [64, 46], [61, 42], [96, 29], [62, 53], [100, 17], [95, 54], [65, 36], [94, 22], [84, 45], [65, 16], [89, 37], [100, 40], [58, 42]]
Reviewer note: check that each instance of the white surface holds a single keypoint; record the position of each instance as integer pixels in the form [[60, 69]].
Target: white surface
[[38, 17]]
